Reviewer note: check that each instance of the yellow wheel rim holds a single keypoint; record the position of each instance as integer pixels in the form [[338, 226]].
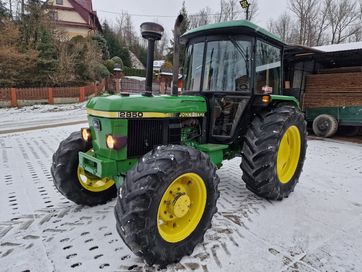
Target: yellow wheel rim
[[93, 183], [288, 154], [181, 207]]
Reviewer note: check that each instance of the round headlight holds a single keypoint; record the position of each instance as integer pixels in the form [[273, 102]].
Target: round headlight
[[110, 141], [86, 134]]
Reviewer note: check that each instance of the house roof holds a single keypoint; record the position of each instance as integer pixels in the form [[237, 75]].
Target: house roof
[[340, 47], [87, 4]]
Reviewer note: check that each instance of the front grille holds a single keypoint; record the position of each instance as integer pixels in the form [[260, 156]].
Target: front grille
[[144, 135]]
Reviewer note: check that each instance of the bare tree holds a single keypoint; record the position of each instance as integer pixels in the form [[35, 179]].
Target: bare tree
[[229, 10], [342, 18], [253, 11], [203, 17], [306, 12], [283, 27]]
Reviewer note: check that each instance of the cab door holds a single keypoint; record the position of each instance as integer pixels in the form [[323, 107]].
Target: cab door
[[227, 83]]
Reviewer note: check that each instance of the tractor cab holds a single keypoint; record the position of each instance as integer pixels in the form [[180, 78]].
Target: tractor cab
[[233, 65]]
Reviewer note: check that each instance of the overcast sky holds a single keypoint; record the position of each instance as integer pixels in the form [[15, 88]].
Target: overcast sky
[[107, 9]]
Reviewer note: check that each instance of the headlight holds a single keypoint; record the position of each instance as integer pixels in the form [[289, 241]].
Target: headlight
[[86, 134], [116, 142]]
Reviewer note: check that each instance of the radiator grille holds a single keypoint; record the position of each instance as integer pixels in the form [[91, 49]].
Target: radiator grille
[[144, 135]]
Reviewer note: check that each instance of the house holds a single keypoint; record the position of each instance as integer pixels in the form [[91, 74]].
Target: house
[[75, 17]]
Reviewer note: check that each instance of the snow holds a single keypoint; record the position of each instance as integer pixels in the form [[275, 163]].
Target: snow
[[316, 229], [340, 47], [136, 78], [40, 115]]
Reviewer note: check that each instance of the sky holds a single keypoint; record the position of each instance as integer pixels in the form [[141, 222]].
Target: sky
[[108, 9]]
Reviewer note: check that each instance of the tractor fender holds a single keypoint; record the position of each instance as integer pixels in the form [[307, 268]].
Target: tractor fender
[[284, 100]]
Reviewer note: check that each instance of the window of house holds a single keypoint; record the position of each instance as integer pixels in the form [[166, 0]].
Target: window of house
[[59, 2], [268, 68], [54, 15]]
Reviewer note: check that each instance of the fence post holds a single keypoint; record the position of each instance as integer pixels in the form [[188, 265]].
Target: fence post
[[14, 102], [50, 96], [94, 89], [81, 94]]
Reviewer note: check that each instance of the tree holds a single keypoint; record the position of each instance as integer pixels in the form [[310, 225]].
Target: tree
[[115, 46], [283, 27], [201, 18], [306, 12], [47, 58], [102, 44], [342, 15], [253, 10], [3, 11]]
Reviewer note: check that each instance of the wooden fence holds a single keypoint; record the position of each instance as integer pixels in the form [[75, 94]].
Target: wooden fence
[[15, 97]]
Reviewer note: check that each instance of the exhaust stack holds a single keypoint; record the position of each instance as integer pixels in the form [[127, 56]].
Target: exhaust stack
[[151, 32], [176, 53]]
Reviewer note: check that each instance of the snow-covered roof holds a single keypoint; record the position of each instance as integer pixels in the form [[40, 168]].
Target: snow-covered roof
[[339, 47]]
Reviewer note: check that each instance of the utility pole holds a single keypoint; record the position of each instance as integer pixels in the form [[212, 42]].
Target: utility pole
[[245, 5]]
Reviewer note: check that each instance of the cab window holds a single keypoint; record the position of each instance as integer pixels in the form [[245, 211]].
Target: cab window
[[268, 68]]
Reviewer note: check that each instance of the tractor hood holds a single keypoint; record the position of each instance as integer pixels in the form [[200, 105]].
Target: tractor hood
[[139, 103]]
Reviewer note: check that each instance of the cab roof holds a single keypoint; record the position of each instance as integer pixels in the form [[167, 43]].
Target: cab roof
[[232, 27]]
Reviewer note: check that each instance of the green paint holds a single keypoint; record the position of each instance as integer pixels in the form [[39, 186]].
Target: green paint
[[284, 98], [116, 127], [214, 151], [104, 167], [96, 165], [348, 116], [232, 25], [139, 103]]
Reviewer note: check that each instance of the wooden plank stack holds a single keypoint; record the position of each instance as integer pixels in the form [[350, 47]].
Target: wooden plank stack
[[333, 90]]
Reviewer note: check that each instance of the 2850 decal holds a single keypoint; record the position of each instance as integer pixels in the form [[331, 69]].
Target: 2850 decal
[[130, 114]]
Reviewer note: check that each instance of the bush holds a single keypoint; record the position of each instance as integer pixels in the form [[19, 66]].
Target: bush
[[118, 61], [102, 71], [134, 72], [110, 65]]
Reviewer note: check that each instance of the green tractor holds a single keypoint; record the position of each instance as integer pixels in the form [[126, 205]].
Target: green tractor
[[161, 153]]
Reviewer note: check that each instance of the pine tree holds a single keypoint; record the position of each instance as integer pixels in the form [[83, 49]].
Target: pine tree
[[47, 58], [116, 48]]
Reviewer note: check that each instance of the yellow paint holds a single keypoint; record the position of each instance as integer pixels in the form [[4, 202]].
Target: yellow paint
[[181, 207], [93, 183], [133, 115], [107, 114], [288, 154]]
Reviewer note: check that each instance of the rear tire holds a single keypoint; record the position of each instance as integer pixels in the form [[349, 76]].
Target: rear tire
[[65, 177], [325, 125], [260, 152], [137, 209]]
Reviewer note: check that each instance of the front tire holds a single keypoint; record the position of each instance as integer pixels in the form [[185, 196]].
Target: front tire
[[166, 203], [273, 152], [67, 175]]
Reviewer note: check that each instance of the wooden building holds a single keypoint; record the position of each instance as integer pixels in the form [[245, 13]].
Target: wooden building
[[75, 17]]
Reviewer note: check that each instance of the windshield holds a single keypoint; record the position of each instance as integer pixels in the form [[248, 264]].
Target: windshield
[[227, 66]]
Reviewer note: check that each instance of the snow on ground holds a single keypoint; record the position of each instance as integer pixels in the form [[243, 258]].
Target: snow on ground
[[316, 229], [39, 115]]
